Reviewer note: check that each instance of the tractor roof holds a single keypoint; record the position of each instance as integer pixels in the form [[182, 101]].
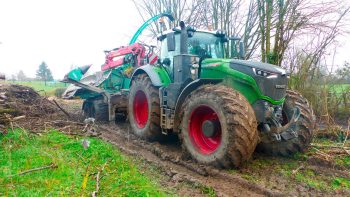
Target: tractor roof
[[162, 35]]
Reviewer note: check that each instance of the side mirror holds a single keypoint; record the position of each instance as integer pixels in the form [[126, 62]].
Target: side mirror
[[171, 41], [241, 50], [190, 31]]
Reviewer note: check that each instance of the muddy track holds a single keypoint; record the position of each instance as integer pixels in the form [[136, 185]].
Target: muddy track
[[263, 176], [174, 164]]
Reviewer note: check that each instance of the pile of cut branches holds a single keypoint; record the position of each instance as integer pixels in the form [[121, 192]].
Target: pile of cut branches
[[23, 107]]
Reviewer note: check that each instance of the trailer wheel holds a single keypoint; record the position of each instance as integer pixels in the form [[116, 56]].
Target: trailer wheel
[[144, 108], [95, 108], [218, 126], [303, 127]]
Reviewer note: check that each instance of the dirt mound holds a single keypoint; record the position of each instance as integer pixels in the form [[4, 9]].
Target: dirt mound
[[22, 100], [21, 106]]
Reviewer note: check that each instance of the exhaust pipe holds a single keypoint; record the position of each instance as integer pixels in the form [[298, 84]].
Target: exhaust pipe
[[183, 39], [182, 62]]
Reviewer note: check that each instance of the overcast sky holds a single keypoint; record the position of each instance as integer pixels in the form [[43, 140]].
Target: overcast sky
[[62, 33], [70, 32]]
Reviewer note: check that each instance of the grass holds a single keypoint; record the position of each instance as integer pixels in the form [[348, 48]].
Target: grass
[[209, 191], [343, 161], [39, 86], [311, 179], [272, 171], [76, 171], [340, 182], [339, 88]]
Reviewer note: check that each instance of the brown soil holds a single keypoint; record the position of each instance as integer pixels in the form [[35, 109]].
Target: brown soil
[[253, 179], [21, 106], [263, 176], [168, 157], [259, 179]]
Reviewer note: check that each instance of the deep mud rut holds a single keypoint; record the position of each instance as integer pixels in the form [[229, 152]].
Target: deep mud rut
[[263, 176], [188, 178], [169, 158], [177, 167]]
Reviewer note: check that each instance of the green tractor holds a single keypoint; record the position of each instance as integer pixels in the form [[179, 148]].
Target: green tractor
[[222, 109]]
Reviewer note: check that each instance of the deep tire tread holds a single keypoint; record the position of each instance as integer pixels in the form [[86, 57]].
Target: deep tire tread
[[240, 121], [153, 131], [305, 125]]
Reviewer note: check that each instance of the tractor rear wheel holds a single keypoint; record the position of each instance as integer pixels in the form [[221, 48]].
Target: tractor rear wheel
[[95, 108], [218, 126], [144, 108], [303, 127]]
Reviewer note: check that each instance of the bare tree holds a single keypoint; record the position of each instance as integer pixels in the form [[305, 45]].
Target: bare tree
[[236, 17], [185, 10], [21, 76], [251, 35], [271, 25], [284, 21]]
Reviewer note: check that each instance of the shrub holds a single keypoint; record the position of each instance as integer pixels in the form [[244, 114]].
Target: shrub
[[58, 92]]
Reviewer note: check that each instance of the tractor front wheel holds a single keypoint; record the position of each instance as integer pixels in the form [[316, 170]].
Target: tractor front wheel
[[302, 129], [144, 108], [218, 126]]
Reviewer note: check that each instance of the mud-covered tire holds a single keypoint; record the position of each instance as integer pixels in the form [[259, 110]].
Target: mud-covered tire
[[303, 127], [120, 117], [148, 129], [95, 108], [238, 126]]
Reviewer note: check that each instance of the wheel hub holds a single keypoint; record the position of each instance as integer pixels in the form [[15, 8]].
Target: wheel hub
[[140, 109], [205, 129], [209, 127]]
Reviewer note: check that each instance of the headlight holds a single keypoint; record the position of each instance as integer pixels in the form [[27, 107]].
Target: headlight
[[264, 73]]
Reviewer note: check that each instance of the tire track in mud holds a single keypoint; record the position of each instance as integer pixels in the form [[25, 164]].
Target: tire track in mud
[[177, 167]]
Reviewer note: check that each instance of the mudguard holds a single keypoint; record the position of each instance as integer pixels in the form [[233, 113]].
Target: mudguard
[[158, 75], [187, 90]]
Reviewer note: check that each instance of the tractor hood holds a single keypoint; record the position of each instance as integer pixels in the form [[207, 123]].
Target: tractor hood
[[271, 80], [258, 66]]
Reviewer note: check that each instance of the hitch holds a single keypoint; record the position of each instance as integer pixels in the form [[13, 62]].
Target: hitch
[[107, 96], [287, 131], [295, 118]]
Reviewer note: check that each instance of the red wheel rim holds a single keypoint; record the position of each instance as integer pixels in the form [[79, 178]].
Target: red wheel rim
[[140, 109], [205, 145]]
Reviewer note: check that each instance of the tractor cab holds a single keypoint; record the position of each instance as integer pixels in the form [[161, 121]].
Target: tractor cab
[[203, 44]]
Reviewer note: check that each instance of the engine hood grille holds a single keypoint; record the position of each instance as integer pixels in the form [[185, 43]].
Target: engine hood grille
[[259, 65], [274, 88]]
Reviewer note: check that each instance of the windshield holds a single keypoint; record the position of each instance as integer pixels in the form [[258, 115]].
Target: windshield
[[206, 45]]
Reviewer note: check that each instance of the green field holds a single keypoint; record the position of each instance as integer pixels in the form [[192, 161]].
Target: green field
[[339, 88], [76, 170], [39, 86]]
